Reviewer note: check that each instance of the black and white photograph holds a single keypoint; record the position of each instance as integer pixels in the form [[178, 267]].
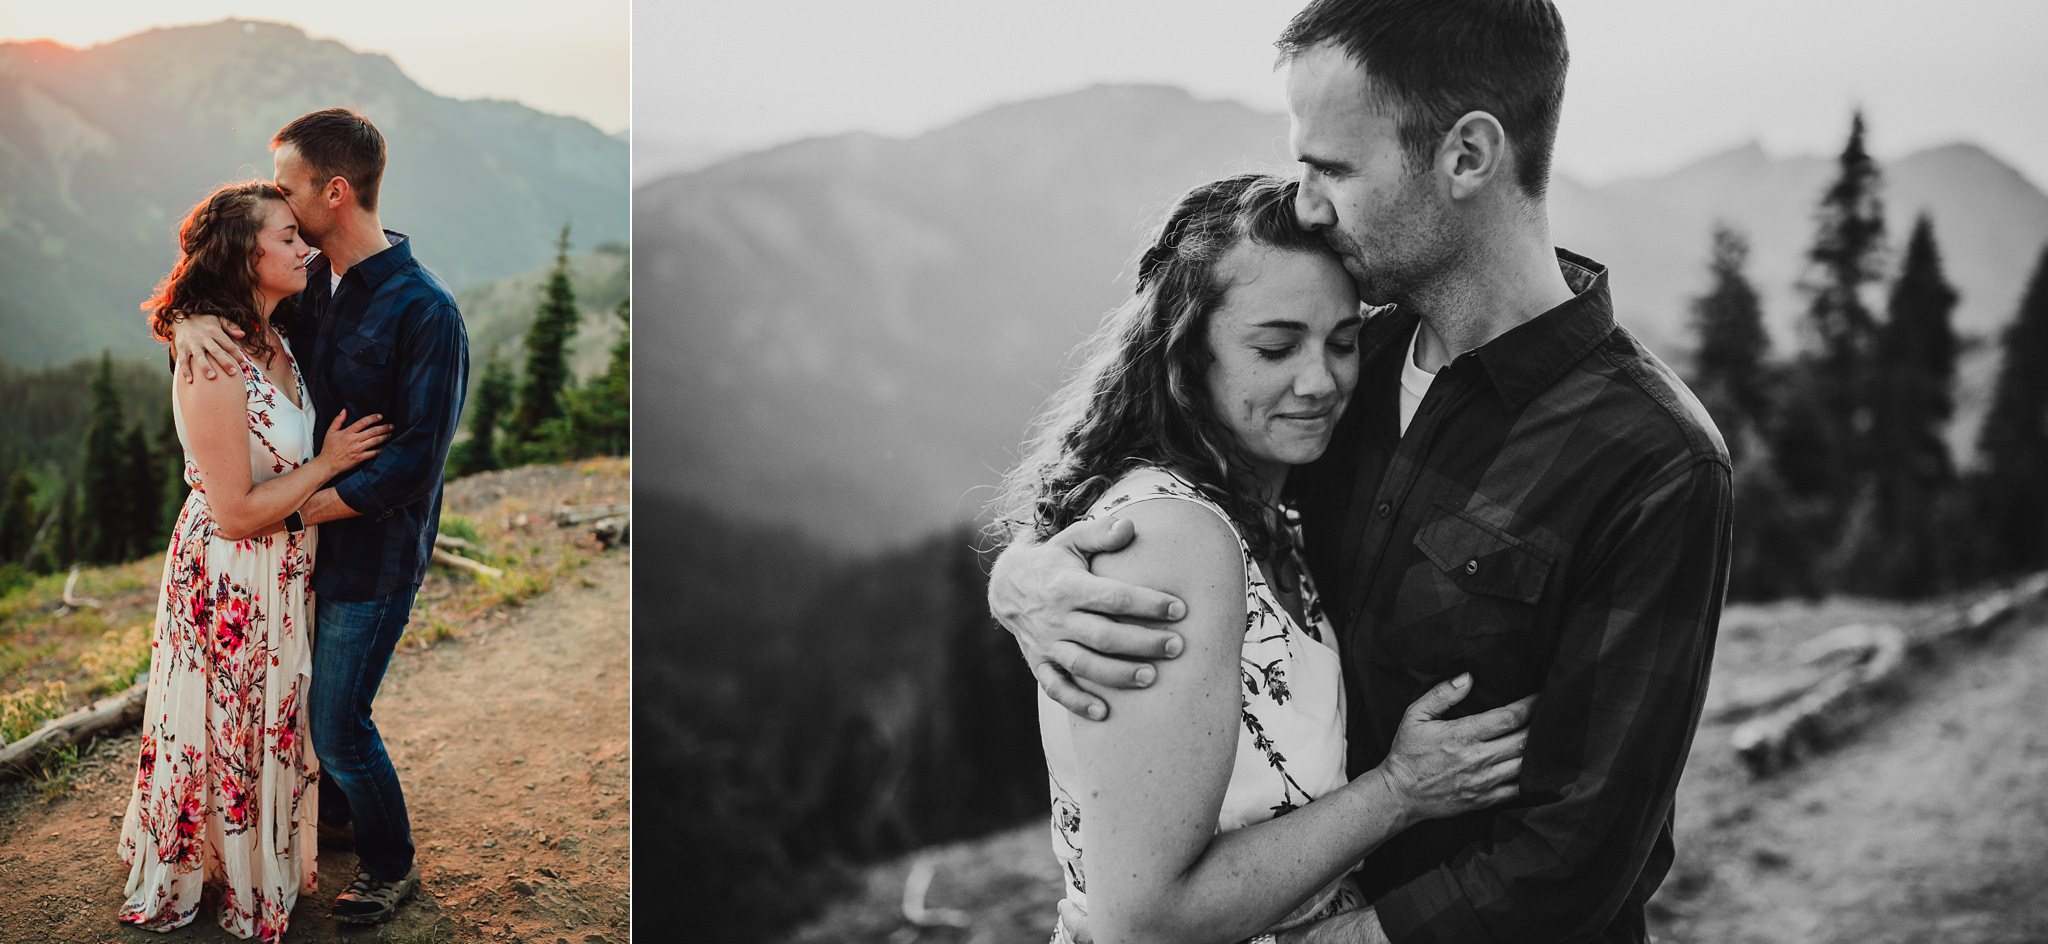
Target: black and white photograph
[[1342, 471]]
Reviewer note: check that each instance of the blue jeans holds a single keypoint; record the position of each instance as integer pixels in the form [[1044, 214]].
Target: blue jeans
[[352, 645]]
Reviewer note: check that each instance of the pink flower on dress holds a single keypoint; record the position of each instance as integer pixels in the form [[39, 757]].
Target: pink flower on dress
[[236, 799], [288, 732], [231, 629]]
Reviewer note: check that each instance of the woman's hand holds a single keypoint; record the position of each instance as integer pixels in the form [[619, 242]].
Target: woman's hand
[[1440, 767], [346, 447]]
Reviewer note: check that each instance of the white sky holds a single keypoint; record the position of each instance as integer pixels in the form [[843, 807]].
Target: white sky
[[567, 59], [1653, 83]]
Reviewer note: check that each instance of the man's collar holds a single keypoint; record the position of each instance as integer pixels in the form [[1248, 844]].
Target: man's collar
[[379, 265], [1526, 359]]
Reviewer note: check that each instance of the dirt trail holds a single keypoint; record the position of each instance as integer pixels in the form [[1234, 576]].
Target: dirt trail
[[511, 742], [1929, 825]]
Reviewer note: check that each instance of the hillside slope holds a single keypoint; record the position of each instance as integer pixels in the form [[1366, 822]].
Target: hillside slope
[[103, 148]]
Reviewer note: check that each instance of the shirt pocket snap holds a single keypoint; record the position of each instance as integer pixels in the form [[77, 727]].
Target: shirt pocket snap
[[1482, 559]]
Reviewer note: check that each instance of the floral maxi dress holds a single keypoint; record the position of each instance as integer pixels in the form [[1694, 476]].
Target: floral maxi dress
[[225, 785]]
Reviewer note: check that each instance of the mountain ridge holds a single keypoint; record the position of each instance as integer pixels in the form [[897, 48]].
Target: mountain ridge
[[103, 148], [863, 325]]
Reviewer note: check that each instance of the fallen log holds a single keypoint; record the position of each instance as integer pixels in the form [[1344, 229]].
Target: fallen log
[[453, 543], [1855, 664], [24, 758], [72, 601], [612, 531], [915, 886], [459, 562], [571, 515], [1838, 703], [1992, 611]]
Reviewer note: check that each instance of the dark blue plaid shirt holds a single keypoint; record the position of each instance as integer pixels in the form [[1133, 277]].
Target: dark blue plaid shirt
[[1555, 520], [390, 340]]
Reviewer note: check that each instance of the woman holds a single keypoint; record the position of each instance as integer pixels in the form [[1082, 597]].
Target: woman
[[224, 789], [1233, 363]]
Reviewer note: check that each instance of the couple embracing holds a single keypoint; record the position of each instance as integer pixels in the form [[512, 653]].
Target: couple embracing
[[1371, 571], [319, 372]]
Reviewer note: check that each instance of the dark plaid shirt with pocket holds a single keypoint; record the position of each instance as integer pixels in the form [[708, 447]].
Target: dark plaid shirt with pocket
[[391, 341], [1554, 521]]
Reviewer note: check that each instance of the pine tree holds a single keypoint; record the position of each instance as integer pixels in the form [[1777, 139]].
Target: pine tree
[[170, 459], [2014, 439], [487, 412], [1846, 259], [601, 412], [17, 517], [547, 359], [1730, 374], [144, 491], [1848, 254], [105, 474], [1914, 400]]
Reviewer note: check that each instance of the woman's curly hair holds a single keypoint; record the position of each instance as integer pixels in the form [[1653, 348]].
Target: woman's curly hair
[[1141, 395], [216, 269]]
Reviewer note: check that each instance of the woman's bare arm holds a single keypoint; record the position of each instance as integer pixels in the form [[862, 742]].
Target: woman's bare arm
[[1154, 772], [215, 412]]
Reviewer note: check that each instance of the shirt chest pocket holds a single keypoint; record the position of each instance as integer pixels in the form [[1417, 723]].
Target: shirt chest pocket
[[1471, 602], [363, 369]]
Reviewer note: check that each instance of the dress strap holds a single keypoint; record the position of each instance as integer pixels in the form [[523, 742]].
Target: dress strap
[[1152, 482]]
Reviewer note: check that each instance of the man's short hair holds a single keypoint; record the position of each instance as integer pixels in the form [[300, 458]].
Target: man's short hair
[[339, 142], [1436, 60]]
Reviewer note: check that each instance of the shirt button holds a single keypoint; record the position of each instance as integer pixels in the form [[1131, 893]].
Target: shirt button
[[1472, 566], [1385, 509]]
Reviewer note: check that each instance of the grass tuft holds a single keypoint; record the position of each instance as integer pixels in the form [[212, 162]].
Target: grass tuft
[[24, 711]]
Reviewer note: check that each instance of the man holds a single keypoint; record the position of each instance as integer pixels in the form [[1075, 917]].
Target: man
[[376, 333], [1520, 489]]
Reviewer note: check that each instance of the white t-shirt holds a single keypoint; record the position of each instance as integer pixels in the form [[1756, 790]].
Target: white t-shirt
[[334, 285], [1414, 382]]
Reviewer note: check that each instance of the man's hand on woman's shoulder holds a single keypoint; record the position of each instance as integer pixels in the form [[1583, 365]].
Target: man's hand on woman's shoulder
[[1067, 620], [204, 336]]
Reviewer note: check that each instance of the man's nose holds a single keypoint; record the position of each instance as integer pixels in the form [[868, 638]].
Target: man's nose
[[1311, 209]]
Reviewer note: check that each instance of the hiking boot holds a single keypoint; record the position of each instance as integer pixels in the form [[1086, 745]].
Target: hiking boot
[[336, 837], [369, 901]]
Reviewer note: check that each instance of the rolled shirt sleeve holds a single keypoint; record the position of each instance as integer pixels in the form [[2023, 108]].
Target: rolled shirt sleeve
[[1609, 737], [434, 350]]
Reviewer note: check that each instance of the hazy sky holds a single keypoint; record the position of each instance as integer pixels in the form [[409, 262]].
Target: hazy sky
[[1652, 84], [568, 59]]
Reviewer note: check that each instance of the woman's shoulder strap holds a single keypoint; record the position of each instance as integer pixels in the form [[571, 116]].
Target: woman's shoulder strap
[[1147, 483]]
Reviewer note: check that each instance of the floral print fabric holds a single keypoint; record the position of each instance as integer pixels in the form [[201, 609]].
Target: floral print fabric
[[225, 785], [1290, 746]]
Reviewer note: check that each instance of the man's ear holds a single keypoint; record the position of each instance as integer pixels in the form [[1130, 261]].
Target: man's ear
[[338, 193], [1473, 153]]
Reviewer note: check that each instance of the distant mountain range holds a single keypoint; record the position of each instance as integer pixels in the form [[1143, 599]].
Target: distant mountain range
[[854, 330], [102, 150]]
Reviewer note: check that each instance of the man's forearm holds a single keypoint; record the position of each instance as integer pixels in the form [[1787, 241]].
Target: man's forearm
[[1351, 927], [325, 505]]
